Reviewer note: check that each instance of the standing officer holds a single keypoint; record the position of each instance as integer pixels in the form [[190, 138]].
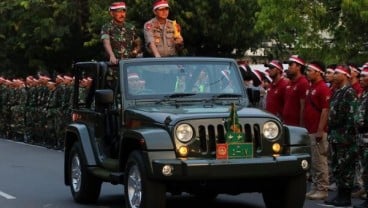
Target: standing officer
[[354, 80], [330, 70], [276, 93], [162, 36], [315, 120], [296, 89], [119, 37], [342, 137], [362, 127]]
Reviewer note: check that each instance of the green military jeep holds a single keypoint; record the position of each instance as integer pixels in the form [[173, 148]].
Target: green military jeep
[[178, 125]]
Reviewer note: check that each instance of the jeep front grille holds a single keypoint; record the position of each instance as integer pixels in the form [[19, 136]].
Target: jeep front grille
[[208, 132]]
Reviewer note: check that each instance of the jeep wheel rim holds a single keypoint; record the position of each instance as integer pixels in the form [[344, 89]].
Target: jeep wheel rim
[[76, 173], [134, 187]]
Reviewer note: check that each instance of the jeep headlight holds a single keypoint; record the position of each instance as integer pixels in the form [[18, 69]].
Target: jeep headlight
[[184, 133], [270, 130]]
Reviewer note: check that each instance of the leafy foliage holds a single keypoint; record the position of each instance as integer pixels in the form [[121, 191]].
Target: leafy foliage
[[52, 34], [330, 30]]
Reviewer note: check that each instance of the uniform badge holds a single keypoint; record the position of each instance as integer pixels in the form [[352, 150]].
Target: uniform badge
[[148, 26]]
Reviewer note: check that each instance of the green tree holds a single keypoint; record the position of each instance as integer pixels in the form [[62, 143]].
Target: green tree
[[43, 34], [324, 29]]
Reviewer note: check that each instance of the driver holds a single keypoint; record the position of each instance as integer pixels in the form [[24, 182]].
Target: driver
[[202, 83], [135, 83]]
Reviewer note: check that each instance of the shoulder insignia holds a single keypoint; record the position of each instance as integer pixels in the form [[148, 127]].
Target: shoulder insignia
[[148, 26]]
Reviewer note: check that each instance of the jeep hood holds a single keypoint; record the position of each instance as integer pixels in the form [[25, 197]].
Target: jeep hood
[[161, 113]]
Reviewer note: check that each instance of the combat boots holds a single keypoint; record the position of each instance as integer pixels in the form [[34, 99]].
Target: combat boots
[[362, 205], [342, 199]]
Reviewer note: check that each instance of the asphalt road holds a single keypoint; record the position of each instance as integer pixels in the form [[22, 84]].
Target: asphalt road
[[32, 177]]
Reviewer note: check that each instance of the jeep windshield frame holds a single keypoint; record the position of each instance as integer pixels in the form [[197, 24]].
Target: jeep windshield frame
[[186, 78]]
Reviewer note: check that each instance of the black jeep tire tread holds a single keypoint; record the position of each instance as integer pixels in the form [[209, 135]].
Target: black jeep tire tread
[[90, 187], [153, 192]]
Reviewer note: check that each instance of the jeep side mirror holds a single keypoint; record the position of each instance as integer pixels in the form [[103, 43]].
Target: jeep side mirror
[[104, 97]]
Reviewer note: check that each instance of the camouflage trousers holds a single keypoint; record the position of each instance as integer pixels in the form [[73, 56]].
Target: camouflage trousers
[[30, 122], [5, 120], [343, 158], [53, 127], [17, 125], [2, 123], [363, 158]]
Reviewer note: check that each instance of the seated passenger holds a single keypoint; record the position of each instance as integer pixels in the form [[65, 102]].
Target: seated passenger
[[202, 83]]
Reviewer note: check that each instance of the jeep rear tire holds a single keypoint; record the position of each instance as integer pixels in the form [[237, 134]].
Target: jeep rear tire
[[139, 190], [287, 193], [84, 186]]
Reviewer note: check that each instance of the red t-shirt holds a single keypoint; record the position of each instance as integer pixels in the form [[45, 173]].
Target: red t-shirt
[[294, 93], [276, 96], [317, 98]]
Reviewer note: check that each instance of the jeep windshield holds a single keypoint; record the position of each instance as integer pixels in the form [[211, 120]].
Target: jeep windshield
[[166, 80]]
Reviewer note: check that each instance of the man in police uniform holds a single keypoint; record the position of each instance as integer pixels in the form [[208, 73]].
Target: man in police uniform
[[119, 37], [162, 36]]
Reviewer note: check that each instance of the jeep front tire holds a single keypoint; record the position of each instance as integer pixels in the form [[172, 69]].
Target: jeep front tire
[[84, 186], [140, 191]]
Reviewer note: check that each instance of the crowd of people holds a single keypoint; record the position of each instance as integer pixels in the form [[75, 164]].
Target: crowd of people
[[37, 109], [331, 103]]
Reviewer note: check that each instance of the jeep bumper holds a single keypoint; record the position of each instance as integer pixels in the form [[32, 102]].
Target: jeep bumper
[[263, 167]]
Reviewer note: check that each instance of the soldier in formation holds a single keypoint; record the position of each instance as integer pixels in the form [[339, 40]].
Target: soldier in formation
[[361, 121], [37, 110]]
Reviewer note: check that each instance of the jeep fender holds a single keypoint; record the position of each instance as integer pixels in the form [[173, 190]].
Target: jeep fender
[[297, 138], [78, 133], [154, 144], [153, 139]]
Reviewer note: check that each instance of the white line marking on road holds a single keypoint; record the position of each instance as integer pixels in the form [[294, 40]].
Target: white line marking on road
[[6, 196]]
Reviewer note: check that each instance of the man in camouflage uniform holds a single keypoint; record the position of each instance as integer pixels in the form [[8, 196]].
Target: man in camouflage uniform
[[12, 99], [362, 128], [6, 113], [41, 119], [119, 37], [2, 91], [52, 115], [57, 105], [3, 97], [162, 36], [30, 108], [65, 108], [342, 137], [17, 110], [84, 87]]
